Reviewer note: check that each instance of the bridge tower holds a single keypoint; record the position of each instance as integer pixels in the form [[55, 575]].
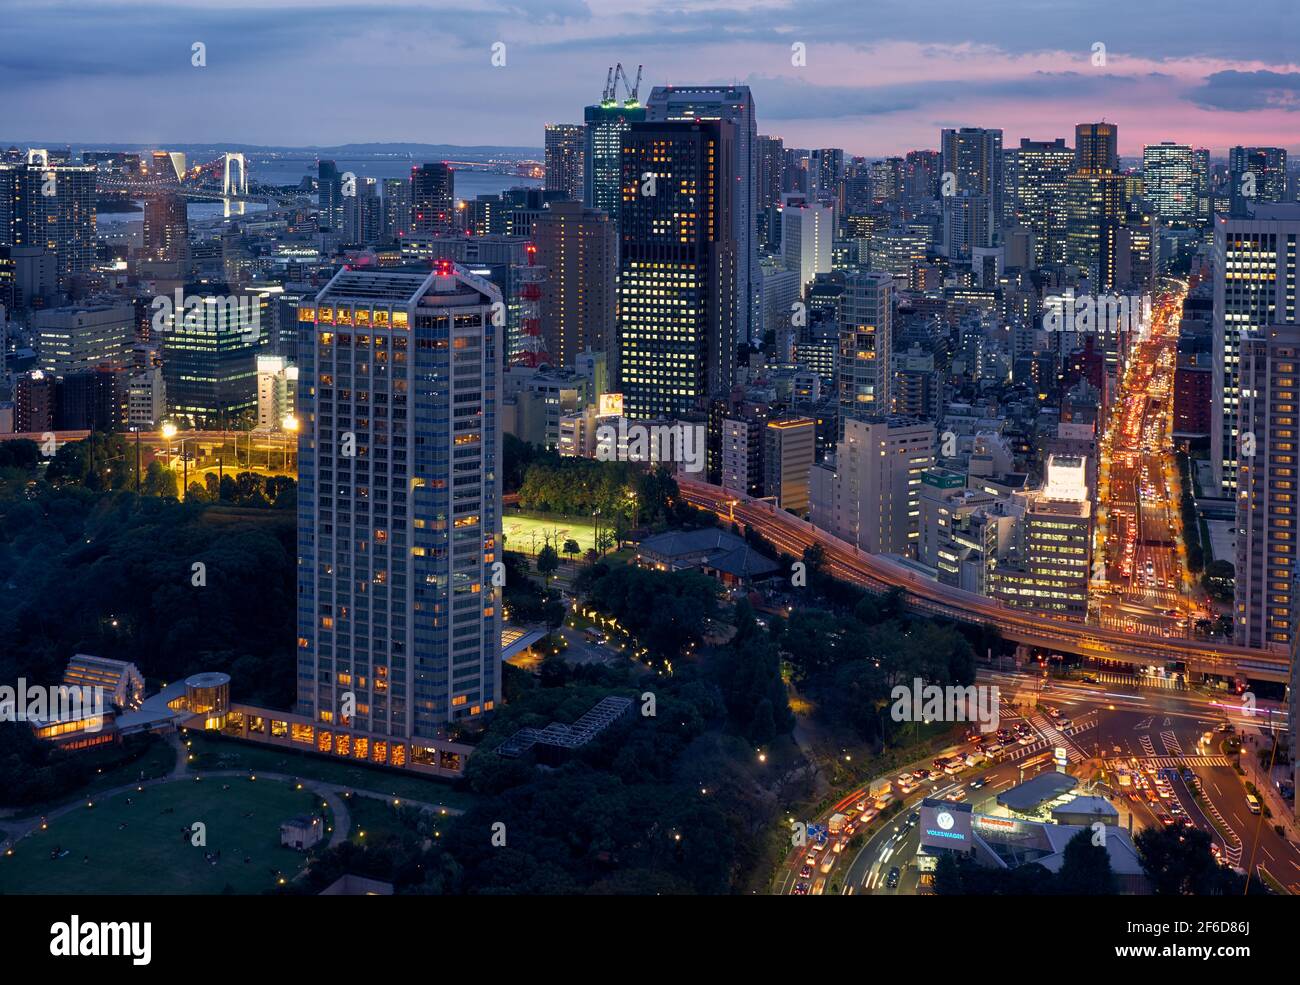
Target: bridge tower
[[239, 187]]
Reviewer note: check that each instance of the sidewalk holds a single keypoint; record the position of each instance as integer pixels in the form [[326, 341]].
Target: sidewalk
[[1283, 813]]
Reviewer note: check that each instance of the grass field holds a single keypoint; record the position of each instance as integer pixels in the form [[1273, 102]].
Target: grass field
[[527, 532], [148, 855], [212, 753]]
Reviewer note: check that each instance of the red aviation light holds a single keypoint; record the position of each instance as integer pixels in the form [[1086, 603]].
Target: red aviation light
[[443, 268]]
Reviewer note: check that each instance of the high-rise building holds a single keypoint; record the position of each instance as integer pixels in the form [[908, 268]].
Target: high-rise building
[[771, 171], [789, 451], [1051, 575], [1258, 173], [742, 455], [973, 156], [277, 393], [1169, 176], [870, 493], [1035, 194], [1096, 147], [1254, 287], [1094, 214], [968, 225], [866, 327], [329, 188], [601, 157], [433, 205], [166, 235], [826, 168], [399, 499], [677, 266], [564, 158], [363, 213], [807, 233], [51, 206], [1266, 487], [397, 209], [922, 170], [579, 250], [83, 337], [735, 105], [210, 353]]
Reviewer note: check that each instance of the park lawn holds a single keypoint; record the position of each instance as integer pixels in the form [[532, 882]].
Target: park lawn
[[149, 856], [527, 533], [215, 753]]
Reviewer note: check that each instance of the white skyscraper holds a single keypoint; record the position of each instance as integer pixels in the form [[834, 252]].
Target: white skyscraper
[[399, 523]]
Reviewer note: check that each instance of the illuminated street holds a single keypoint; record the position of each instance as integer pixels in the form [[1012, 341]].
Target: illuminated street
[[1141, 583]]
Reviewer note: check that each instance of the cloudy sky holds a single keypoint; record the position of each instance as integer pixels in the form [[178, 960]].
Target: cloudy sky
[[880, 76]]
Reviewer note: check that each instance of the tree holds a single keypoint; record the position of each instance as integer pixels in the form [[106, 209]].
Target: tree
[[548, 562], [572, 548], [1086, 869], [1178, 862]]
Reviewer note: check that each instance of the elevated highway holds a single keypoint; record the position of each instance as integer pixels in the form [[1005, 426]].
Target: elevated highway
[[872, 571]]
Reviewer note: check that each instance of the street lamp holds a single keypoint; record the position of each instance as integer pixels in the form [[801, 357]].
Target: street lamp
[[168, 431], [290, 426]]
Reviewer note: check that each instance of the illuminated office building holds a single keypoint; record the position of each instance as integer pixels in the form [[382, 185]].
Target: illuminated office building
[[51, 206], [1169, 177], [1055, 563], [734, 105], [1254, 287], [602, 152], [399, 497], [865, 328], [1035, 193], [677, 267], [563, 155], [1266, 487]]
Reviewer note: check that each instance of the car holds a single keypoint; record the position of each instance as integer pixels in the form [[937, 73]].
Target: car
[[956, 796], [1053, 712], [805, 872], [891, 881], [810, 861], [801, 889], [978, 782], [1089, 679], [1064, 723], [920, 774], [913, 818], [1188, 776], [1024, 740], [935, 775]]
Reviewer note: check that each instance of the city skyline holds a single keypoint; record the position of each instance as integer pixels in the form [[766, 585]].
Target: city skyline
[[876, 88]]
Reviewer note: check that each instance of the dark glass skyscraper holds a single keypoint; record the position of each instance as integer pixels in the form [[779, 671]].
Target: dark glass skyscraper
[[433, 201], [677, 266], [606, 124]]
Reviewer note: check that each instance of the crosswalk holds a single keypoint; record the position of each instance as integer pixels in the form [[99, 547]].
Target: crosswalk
[[1171, 762], [1054, 737], [1129, 680]]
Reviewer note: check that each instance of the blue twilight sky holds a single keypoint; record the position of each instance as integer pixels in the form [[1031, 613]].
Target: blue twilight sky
[[879, 76]]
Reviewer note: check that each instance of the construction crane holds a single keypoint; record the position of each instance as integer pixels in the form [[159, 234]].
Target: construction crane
[[607, 96]]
